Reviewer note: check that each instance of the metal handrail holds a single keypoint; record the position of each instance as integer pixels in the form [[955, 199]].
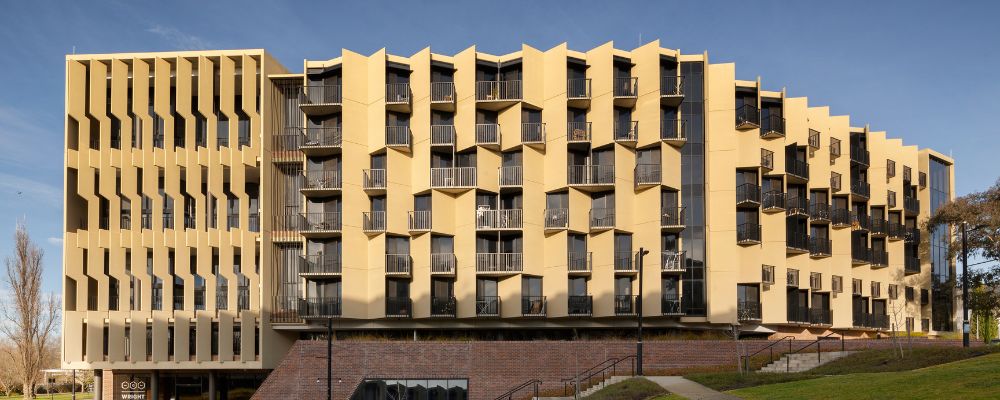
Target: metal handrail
[[613, 367], [818, 342], [509, 395], [770, 349]]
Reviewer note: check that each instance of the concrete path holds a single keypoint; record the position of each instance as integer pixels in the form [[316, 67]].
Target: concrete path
[[689, 389]]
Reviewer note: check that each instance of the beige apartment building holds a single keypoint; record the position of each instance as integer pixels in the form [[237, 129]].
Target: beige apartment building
[[219, 206]]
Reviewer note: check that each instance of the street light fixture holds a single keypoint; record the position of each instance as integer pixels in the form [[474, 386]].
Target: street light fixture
[[638, 311]]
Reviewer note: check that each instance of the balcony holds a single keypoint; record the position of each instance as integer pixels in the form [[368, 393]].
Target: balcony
[[398, 97], [556, 218], [443, 306], [443, 96], [773, 201], [911, 265], [672, 219], [913, 235], [398, 264], [840, 217], [820, 316], [797, 171], [487, 306], [748, 195], [498, 263], [626, 91], [625, 305], [861, 189], [602, 219], [578, 93], [320, 141], [797, 314], [510, 177], [797, 206], [748, 310], [453, 178], [819, 213], [772, 127], [419, 221], [495, 95], [533, 306], [747, 117], [671, 306], [397, 136], [647, 175], [320, 224], [591, 175], [860, 255], [320, 183], [860, 156], [443, 135], [880, 258], [625, 262], [373, 181], [488, 135], [315, 100], [398, 307], [627, 132], [579, 262], [897, 231], [674, 131], [580, 305], [373, 221], [319, 307], [671, 90], [860, 222], [672, 261], [820, 247], [320, 265], [911, 205], [748, 233], [796, 242], [533, 133], [879, 227], [443, 263], [499, 220], [578, 132]]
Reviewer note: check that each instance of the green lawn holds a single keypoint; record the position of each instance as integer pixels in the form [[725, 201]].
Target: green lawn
[[976, 378], [670, 397], [58, 396], [870, 361], [632, 389]]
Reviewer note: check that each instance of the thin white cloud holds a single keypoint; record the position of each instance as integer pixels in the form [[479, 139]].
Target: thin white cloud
[[55, 240], [178, 39], [24, 190]]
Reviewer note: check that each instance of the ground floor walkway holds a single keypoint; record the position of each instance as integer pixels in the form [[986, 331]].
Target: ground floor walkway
[[689, 389]]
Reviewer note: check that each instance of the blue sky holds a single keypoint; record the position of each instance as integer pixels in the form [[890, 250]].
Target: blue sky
[[924, 71]]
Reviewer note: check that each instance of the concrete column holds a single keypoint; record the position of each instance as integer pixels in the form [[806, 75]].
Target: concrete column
[[98, 384], [211, 385]]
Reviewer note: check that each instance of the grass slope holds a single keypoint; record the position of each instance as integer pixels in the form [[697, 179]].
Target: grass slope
[[631, 389], [976, 378]]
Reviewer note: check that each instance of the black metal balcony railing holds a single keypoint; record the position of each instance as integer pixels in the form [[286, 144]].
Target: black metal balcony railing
[[222, 298], [672, 261], [820, 316], [626, 86], [232, 221], [911, 205], [532, 132], [797, 168], [320, 264], [911, 265], [591, 174], [861, 189], [242, 298], [860, 222], [125, 221], [443, 306], [897, 231], [443, 263], [487, 134], [397, 93], [318, 307], [442, 135], [533, 306], [913, 235], [398, 307], [320, 222], [797, 206], [841, 217], [488, 306], [861, 254], [579, 261], [321, 180], [578, 89], [673, 129], [672, 86], [747, 116], [772, 126], [647, 174], [820, 246], [798, 314], [626, 131], [819, 212], [580, 305], [671, 217], [773, 200], [797, 240], [624, 262], [578, 131], [321, 137], [168, 220], [556, 218], [748, 194], [879, 227], [321, 94], [748, 233], [748, 310], [879, 258], [498, 90], [625, 304], [442, 92], [860, 156], [670, 306]]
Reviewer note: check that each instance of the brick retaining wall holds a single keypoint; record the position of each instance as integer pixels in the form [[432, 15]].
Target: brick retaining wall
[[493, 367]]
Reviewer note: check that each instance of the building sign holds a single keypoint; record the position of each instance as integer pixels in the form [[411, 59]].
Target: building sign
[[132, 387]]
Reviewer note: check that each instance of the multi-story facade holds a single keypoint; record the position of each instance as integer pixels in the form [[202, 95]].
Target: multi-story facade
[[472, 191]]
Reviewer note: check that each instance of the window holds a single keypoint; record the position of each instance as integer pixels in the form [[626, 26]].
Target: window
[[893, 292], [876, 289], [793, 277], [215, 339], [856, 287], [910, 293], [816, 281], [237, 340], [767, 274]]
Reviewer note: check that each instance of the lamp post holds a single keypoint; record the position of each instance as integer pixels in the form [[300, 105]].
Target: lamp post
[[965, 287], [329, 359], [638, 311]]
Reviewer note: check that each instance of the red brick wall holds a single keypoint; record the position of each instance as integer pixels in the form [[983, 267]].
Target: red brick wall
[[496, 366]]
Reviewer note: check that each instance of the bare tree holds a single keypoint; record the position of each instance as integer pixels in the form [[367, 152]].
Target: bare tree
[[29, 320]]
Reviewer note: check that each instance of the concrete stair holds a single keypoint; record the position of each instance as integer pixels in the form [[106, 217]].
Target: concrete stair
[[593, 389], [802, 361]]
